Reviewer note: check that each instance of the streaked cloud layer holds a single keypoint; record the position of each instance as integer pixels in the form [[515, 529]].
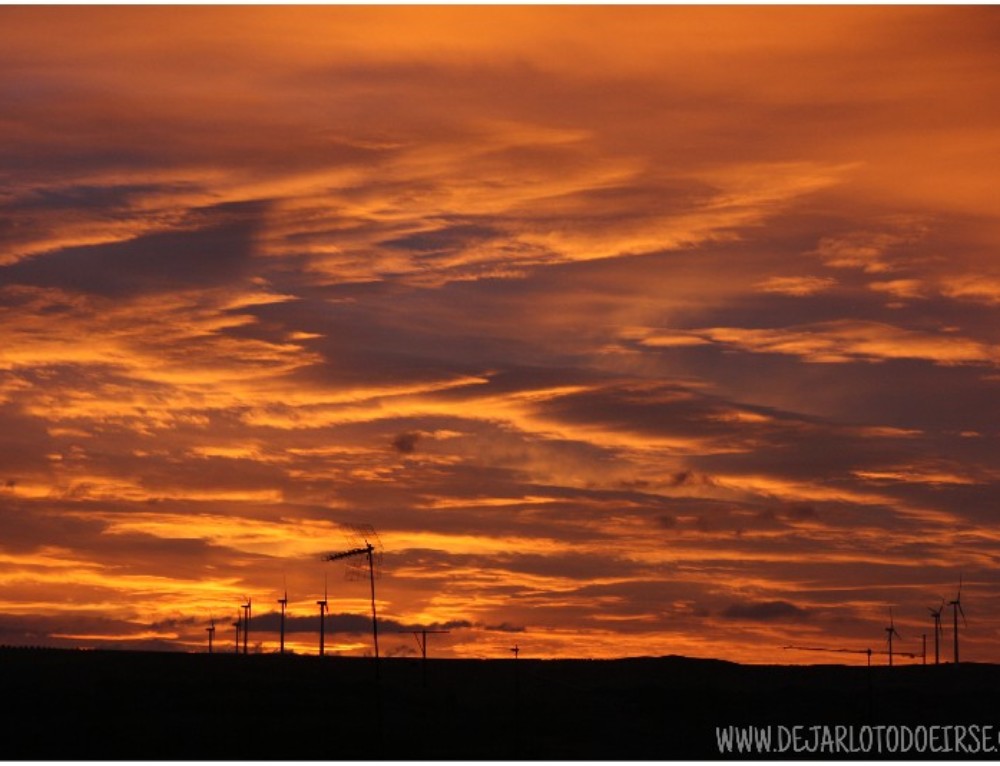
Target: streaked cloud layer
[[633, 330]]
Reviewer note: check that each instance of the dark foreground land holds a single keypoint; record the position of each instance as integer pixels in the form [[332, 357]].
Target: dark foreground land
[[75, 705]]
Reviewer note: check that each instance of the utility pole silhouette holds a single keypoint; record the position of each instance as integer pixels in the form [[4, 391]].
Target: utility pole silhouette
[[956, 607], [938, 631], [246, 623], [867, 652], [322, 619], [421, 639], [284, 603], [517, 703], [211, 634], [517, 680]]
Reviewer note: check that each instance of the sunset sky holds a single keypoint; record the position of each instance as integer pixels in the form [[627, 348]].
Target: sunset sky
[[633, 331]]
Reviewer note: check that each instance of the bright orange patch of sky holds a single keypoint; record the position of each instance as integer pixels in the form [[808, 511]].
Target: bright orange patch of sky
[[645, 330]]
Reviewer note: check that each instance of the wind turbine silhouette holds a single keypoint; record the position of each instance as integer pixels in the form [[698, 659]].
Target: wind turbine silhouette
[[956, 607], [322, 618], [246, 623], [284, 603], [891, 631], [938, 631], [211, 634], [238, 624]]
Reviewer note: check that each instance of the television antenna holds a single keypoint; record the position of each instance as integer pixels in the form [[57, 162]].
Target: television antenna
[[363, 543]]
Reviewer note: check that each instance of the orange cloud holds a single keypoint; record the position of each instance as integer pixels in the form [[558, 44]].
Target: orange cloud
[[527, 288]]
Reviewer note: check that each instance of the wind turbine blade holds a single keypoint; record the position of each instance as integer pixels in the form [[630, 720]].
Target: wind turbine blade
[[962, 612]]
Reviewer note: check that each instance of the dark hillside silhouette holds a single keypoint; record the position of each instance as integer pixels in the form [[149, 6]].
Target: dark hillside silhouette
[[75, 705]]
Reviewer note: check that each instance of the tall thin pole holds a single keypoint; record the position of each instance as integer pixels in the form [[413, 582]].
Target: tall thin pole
[[954, 614], [423, 657], [937, 637], [246, 624], [237, 625], [371, 577], [211, 634], [517, 681], [871, 695], [284, 603], [322, 627]]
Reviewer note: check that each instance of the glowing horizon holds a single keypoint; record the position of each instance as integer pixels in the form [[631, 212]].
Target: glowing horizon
[[634, 331]]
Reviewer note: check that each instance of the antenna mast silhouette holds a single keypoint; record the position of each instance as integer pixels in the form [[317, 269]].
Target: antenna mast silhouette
[[246, 623], [284, 603], [891, 631], [371, 547], [211, 634], [938, 631], [322, 619], [956, 607]]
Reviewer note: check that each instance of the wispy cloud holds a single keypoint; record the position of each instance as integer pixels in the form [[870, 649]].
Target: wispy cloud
[[667, 331]]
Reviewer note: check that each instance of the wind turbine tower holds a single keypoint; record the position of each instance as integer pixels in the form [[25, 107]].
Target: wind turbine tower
[[891, 631], [238, 624], [211, 634], [322, 619], [246, 623], [284, 603], [956, 607], [938, 631]]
